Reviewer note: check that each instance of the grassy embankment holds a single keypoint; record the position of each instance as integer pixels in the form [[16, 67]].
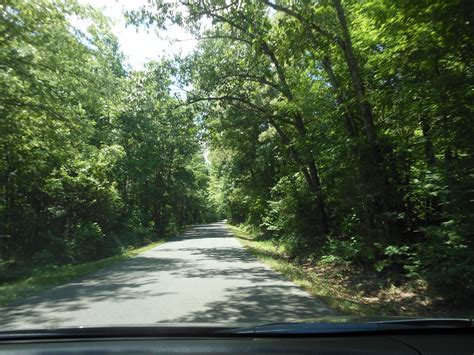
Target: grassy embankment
[[26, 281], [348, 289]]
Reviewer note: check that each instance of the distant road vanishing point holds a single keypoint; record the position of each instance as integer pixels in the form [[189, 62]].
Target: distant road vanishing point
[[202, 276]]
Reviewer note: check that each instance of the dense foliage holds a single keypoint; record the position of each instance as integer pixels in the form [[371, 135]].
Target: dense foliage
[[341, 129], [93, 157]]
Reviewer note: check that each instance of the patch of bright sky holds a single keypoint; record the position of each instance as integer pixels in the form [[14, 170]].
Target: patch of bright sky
[[141, 45]]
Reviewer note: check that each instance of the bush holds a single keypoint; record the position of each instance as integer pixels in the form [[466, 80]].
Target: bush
[[289, 218], [352, 250], [140, 229], [45, 257], [86, 241], [447, 262]]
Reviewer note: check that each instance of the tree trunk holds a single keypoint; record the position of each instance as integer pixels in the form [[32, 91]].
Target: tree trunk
[[157, 207], [427, 143], [340, 100], [311, 175], [158, 219], [346, 45]]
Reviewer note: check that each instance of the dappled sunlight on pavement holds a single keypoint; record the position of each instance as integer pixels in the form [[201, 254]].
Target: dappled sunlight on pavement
[[202, 276]]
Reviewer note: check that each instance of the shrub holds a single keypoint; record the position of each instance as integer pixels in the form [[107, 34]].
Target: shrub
[[86, 241], [288, 216], [447, 262]]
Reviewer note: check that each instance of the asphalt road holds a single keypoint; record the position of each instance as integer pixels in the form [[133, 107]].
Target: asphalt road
[[203, 276]]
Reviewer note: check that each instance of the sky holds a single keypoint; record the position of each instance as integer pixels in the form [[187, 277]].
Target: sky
[[141, 45]]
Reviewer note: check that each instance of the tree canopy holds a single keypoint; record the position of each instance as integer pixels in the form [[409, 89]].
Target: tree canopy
[[93, 156], [334, 127]]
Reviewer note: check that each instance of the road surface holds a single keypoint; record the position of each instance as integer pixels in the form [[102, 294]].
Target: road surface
[[202, 276]]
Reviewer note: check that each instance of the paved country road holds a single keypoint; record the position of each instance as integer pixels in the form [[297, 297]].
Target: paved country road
[[202, 276]]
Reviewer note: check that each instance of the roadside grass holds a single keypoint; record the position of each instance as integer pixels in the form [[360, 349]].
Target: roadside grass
[[349, 291], [274, 257], [32, 281]]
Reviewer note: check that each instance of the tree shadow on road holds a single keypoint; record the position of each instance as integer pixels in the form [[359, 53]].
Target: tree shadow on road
[[215, 230], [224, 254], [258, 305], [251, 292], [121, 282]]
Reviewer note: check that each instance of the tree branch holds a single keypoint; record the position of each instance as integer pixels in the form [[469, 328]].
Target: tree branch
[[300, 17]]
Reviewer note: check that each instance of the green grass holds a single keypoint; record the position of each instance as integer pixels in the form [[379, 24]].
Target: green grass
[[274, 257], [332, 294], [352, 292], [42, 278]]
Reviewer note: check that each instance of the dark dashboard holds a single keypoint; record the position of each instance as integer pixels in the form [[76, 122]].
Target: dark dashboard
[[391, 343]]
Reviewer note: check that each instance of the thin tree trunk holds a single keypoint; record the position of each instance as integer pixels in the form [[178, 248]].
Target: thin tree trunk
[[311, 175], [340, 100], [307, 163], [427, 143], [157, 210], [346, 44]]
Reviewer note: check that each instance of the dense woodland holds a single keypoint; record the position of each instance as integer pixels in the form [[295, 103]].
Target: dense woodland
[[341, 130], [93, 156]]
